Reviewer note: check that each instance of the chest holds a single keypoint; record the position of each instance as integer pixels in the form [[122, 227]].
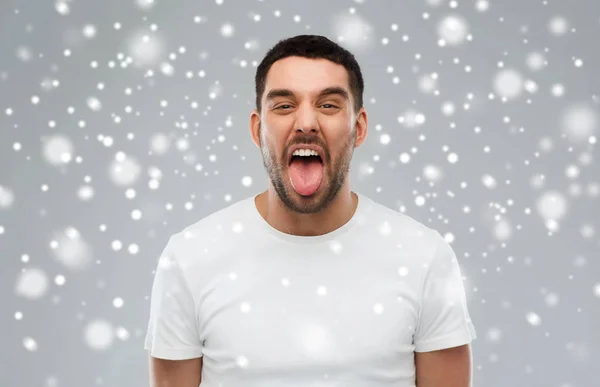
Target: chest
[[303, 318]]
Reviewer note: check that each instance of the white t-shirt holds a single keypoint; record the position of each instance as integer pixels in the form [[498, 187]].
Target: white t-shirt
[[269, 309]]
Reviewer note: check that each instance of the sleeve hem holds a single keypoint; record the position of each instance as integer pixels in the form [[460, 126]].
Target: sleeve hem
[[455, 339], [173, 353]]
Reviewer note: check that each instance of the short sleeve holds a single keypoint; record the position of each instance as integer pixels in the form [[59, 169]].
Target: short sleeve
[[444, 320], [172, 329]]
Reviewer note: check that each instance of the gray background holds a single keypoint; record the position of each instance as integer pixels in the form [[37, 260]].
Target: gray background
[[519, 204]]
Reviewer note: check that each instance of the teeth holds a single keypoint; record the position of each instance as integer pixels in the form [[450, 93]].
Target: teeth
[[305, 152]]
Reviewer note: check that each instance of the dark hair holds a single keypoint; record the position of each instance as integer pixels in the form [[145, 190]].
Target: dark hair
[[312, 47]]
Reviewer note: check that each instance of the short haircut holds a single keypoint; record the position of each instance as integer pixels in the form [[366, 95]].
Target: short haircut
[[312, 47]]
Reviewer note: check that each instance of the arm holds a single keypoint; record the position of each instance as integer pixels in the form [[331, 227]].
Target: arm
[[175, 373], [444, 330], [449, 367], [172, 338]]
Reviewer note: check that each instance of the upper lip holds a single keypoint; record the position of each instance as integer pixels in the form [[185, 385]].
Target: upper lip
[[316, 148]]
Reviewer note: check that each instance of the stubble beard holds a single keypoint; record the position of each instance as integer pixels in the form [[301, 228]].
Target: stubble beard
[[334, 177]]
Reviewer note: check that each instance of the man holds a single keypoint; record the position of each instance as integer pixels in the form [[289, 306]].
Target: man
[[308, 283]]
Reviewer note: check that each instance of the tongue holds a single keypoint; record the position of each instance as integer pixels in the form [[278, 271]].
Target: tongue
[[306, 174]]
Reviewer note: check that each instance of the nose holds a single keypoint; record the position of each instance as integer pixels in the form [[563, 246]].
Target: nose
[[306, 119], [306, 130]]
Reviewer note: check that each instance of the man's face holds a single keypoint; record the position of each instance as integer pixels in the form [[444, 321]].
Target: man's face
[[326, 120]]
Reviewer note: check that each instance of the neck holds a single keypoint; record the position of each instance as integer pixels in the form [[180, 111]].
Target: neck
[[338, 213]]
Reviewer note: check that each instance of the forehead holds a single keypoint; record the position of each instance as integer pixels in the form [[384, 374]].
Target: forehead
[[305, 75]]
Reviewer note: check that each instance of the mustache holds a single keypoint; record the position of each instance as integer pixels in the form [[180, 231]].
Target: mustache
[[310, 140]]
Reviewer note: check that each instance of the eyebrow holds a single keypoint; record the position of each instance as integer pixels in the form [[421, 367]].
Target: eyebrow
[[272, 94]]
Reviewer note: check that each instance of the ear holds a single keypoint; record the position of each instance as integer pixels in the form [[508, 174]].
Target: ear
[[361, 127], [255, 127]]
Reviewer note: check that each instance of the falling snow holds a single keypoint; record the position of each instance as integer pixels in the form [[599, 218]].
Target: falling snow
[[123, 126]]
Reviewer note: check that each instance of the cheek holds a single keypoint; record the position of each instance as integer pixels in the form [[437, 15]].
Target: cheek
[[274, 149], [342, 144]]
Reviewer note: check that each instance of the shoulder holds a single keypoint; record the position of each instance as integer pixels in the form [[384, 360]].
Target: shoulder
[[213, 231], [400, 226]]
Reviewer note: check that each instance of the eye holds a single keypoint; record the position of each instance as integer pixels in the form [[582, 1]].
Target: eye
[[281, 106], [331, 106]]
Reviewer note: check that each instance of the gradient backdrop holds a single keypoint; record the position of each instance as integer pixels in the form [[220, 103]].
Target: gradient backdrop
[[123, 121]]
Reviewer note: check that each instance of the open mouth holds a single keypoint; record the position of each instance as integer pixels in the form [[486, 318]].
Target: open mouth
[[306, 159]]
